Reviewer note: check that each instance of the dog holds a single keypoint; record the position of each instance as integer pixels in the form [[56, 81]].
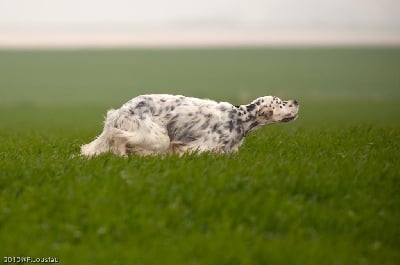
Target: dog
[[161, 124]]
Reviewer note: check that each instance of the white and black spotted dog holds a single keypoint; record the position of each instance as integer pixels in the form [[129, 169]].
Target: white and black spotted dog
[[161, 124]]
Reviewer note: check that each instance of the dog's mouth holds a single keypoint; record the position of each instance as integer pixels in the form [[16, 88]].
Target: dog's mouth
[[290, 118]]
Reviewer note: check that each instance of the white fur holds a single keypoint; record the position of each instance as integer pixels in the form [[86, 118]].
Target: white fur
[[161, 124]]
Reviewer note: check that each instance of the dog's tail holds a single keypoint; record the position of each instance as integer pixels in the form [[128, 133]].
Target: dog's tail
[[104, 142], [96, 147]]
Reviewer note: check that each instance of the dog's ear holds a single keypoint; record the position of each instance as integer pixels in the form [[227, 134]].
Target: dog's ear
[[265, 112]]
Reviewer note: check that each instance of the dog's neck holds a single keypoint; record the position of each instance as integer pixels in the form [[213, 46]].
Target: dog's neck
[[248, 116]]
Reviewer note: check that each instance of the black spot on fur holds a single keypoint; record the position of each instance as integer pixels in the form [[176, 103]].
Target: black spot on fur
[[239, 130], [187, 138], [250, 107], [205, 125], [141, 104], [254, 124], [230, 126], [232, 144], [171, 129], [214, 128], [232, 114], [250, 117]]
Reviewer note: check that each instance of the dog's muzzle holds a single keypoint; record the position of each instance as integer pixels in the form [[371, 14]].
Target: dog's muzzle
[[291, 118]]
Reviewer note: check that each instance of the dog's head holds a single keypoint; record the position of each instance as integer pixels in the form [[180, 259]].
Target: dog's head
[[272, 109]]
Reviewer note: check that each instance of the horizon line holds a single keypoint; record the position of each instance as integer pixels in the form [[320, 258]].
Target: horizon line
[[194, 38]]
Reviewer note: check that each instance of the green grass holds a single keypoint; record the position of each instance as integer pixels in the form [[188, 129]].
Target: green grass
[[323, 189]]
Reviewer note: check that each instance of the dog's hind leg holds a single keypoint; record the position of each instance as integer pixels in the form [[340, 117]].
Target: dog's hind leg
[[125, 134], [149, 139]]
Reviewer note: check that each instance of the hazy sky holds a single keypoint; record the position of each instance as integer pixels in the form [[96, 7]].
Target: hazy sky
[[131, 14]]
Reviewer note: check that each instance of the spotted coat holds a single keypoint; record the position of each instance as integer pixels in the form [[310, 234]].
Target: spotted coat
[[161, 123]]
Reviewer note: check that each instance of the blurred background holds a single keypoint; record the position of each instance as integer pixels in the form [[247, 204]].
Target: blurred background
[[99, 23], [97, 54]]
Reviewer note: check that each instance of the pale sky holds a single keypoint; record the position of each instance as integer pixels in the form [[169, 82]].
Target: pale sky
[[134, 14]]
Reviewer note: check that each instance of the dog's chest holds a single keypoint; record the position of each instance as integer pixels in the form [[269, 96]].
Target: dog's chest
[[205, 126]]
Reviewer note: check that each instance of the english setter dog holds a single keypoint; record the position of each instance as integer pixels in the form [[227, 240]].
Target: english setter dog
[[161, 124]]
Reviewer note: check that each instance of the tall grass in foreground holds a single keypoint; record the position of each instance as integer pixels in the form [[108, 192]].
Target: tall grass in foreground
[[289, 196]]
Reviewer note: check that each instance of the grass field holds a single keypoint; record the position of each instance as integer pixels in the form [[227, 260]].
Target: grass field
[[323, 189]]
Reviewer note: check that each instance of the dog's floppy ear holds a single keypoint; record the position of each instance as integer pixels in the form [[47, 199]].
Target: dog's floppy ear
[[265, 112]]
